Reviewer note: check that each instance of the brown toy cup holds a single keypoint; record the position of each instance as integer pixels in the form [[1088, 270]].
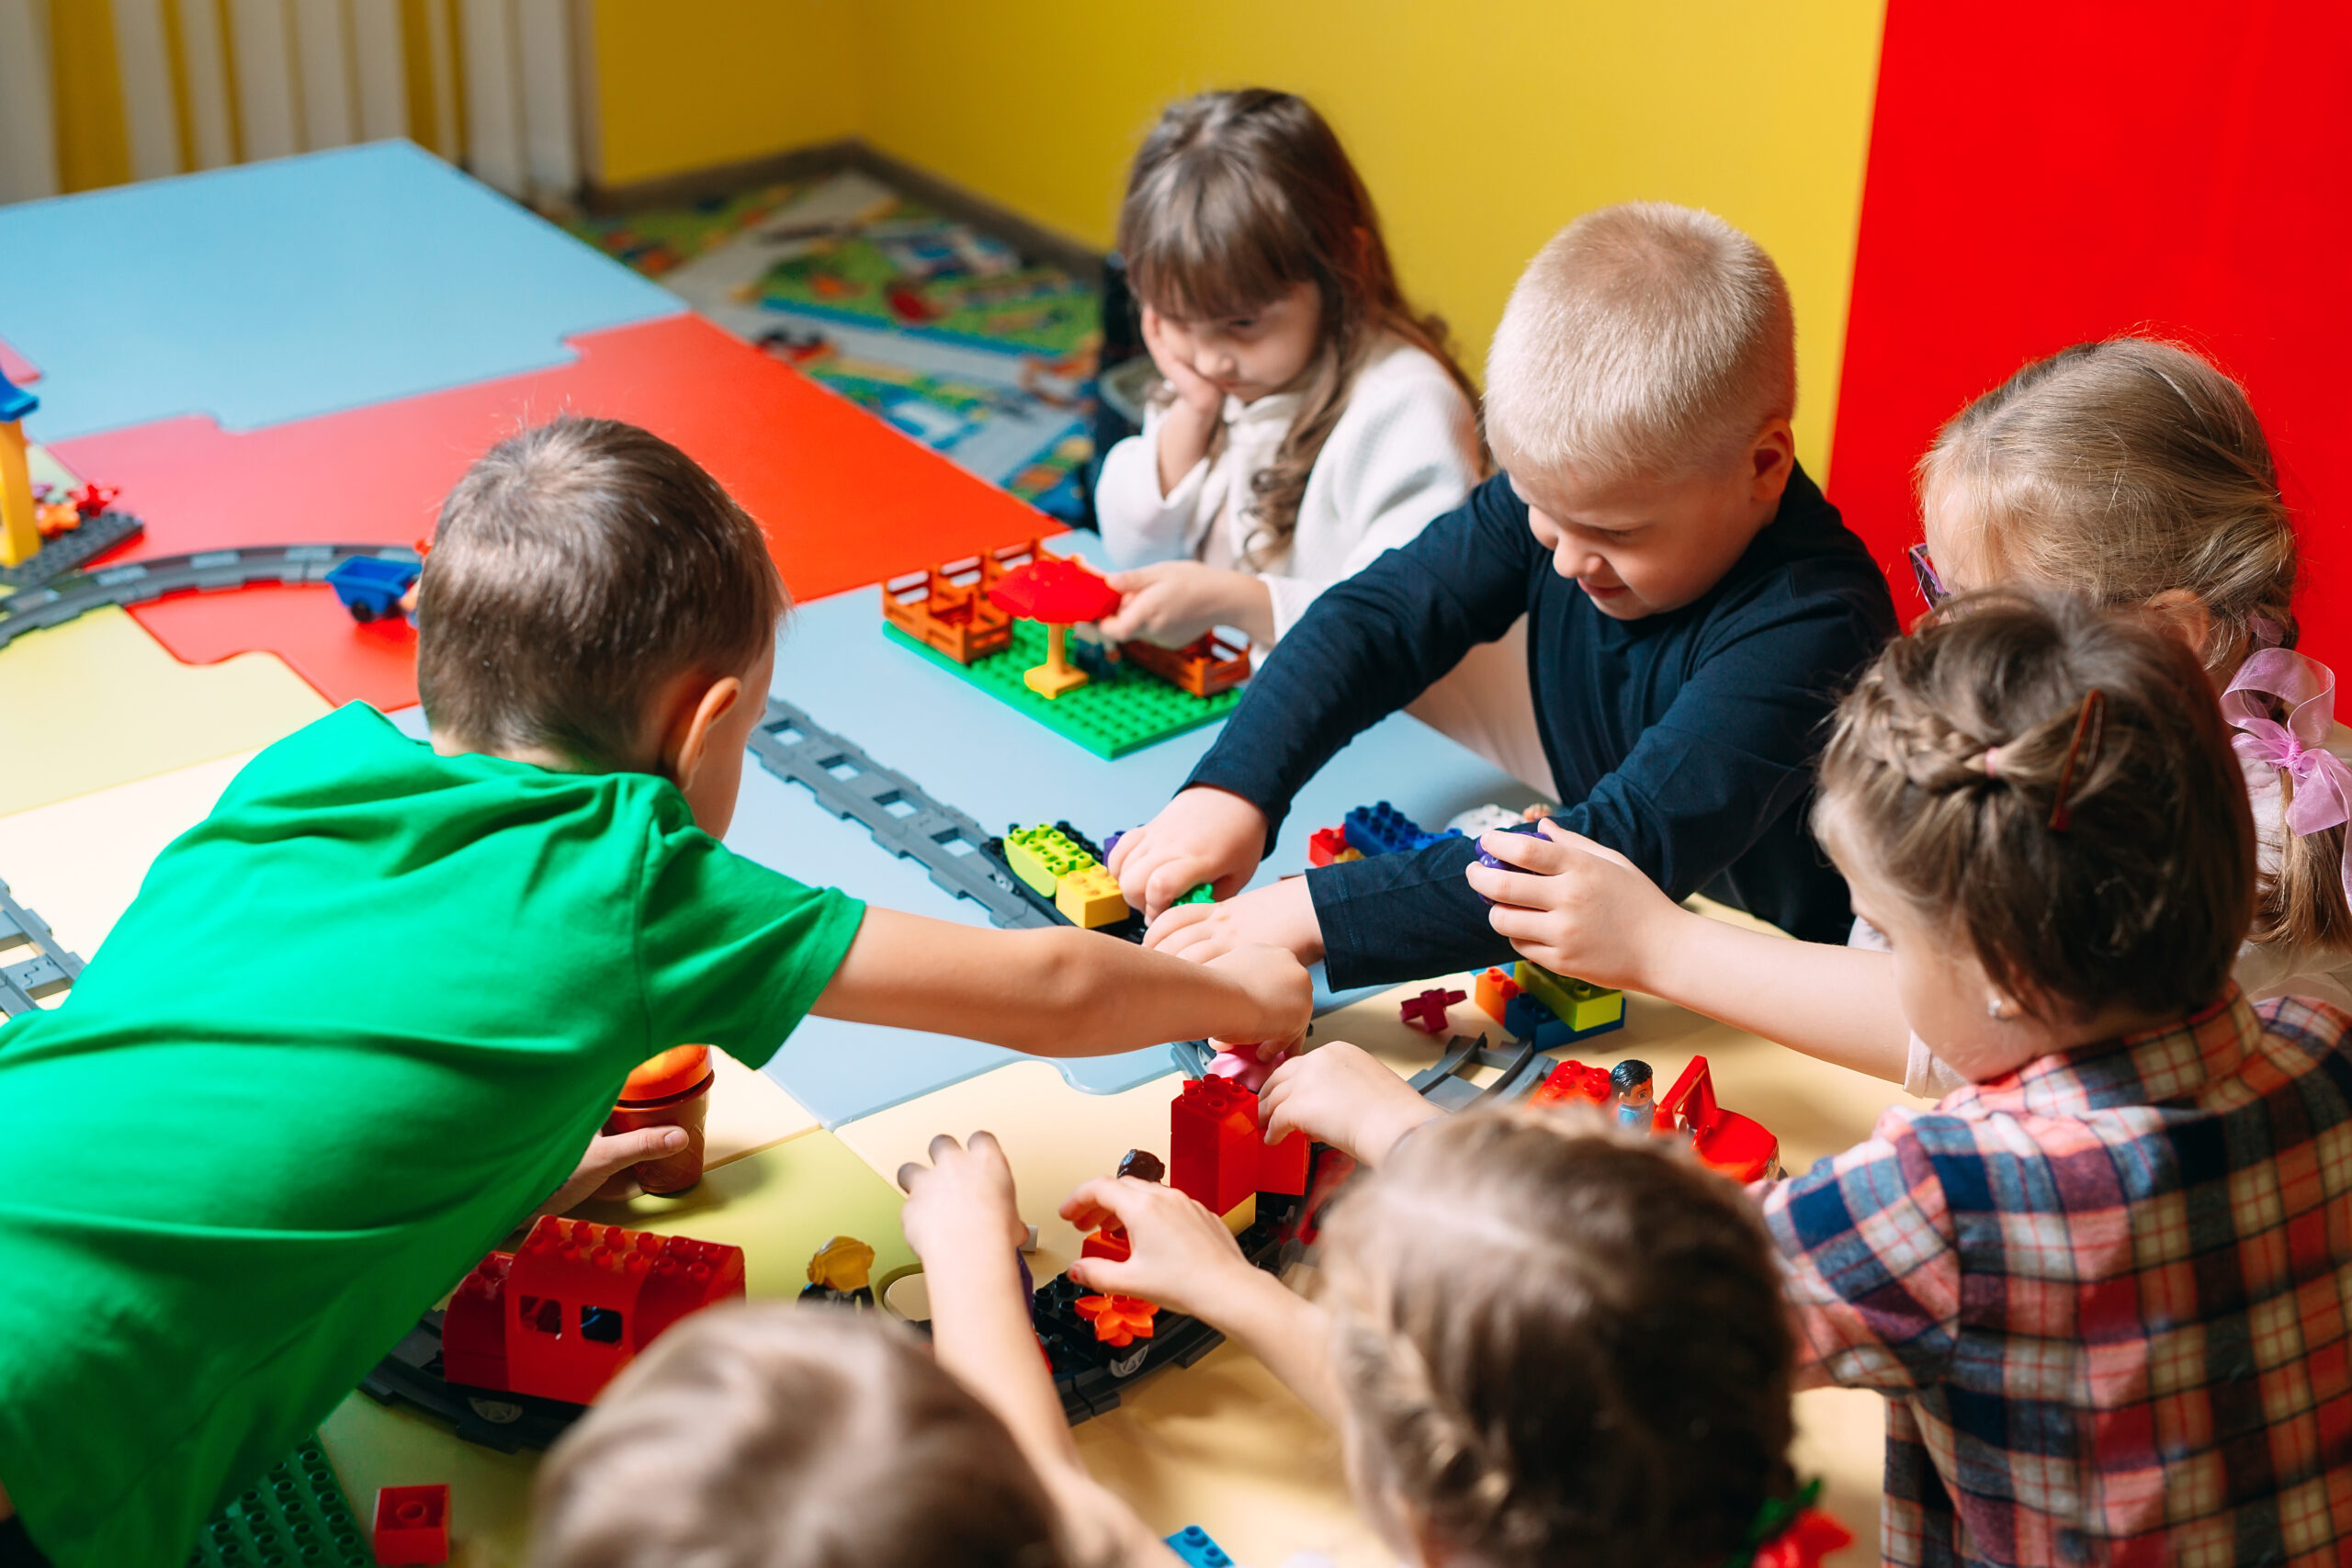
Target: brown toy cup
[[673, 1090]]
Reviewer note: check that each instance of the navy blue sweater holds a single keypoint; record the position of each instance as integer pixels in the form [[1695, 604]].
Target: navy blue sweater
[[1684, 740]]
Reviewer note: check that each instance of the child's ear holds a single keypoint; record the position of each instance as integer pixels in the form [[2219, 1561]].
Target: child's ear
[[688, 745], [2182, 615], [1771, 455]]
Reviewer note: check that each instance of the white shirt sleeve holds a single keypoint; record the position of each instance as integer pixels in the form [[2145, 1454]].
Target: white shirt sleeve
[[1403, 454], [1139, 524]]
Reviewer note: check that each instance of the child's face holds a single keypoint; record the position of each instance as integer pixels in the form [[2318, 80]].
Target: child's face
[[1251, 356], [1948, 999], [717, 779], [1643, 546]]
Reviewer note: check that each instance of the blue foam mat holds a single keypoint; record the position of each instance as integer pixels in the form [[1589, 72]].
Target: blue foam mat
[[279, 291]]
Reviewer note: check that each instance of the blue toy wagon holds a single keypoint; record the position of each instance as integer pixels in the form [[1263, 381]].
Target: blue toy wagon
[[371, 586]]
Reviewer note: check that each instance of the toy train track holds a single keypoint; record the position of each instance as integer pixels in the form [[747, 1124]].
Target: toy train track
[[29, 982], [206, 571], [900, 815]]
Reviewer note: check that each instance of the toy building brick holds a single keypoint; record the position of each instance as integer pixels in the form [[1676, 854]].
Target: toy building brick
[[576, 1303], [1205, 666], [1426, 1012], [947, 607], [1739, 1147], [1119, 1321], [1585, 1008], [1493, 993], [1215, 1154], [411, 1525]]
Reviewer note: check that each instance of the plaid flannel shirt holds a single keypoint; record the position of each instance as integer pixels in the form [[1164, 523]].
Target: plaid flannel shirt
[[2106, 1296]]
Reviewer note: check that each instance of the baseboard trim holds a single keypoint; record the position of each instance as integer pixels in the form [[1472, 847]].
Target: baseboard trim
[[1031, 238]]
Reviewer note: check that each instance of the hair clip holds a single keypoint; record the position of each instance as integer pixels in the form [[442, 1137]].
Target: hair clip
[[1991, 761], [2092, 722]]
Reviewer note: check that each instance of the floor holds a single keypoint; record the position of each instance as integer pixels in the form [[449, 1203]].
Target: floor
[[946, 332]]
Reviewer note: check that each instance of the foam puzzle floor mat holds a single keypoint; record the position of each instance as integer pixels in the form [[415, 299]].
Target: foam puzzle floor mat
[[943, 330]]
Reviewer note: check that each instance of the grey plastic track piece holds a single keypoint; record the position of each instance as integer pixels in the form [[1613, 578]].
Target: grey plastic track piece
[[29, 982], [1518, 1068], [207, 572], [903, 818]]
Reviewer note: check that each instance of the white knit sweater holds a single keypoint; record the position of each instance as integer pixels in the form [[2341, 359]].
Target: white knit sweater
[[1404, 451]]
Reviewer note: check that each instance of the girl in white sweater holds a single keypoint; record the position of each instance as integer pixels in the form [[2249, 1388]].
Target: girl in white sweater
[[1307, 418]]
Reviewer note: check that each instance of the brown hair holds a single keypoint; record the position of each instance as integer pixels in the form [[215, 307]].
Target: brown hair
[[1237, 196], [2143, 897], [772, 1436], [2124, 469], [577, 568], [1560, 1345]]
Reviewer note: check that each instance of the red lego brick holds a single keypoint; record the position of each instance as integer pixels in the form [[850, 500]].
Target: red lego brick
[[1113, 1246], [411, 1525], [1735, 1145], [1426, 1012], [1212, 1142], [1281, 1168], [1329, 844], [473, 1331], [1571, 1082]]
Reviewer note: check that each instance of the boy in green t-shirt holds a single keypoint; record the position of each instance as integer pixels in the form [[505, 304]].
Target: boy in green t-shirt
[[370, 1011]]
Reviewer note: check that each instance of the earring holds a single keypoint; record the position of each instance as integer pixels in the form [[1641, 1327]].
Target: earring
[[1999, 1009]]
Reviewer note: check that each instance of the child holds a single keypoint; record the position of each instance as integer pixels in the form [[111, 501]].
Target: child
[[1308, 419], [1606, 1381], [2105, 1287], [2130, 472], [1691, 600], [368, 1013]]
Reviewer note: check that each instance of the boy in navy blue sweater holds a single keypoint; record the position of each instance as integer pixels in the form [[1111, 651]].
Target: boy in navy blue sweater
[[1693, 609]]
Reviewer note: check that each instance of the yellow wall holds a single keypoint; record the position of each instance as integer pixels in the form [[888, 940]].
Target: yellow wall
[[1480, 130], [684, 86]]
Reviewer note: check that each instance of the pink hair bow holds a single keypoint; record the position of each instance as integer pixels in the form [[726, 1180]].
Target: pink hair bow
[[2320, 793]]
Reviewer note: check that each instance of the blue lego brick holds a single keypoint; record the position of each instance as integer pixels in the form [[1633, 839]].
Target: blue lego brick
[[1380, 830], [1528, 1019], [279, 291], [1195, 1546]]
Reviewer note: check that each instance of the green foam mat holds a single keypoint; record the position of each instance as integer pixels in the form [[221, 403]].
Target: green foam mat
[[1109, 719], [293, 1518]]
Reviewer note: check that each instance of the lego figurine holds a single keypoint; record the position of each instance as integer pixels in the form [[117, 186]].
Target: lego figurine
[[1635, 1090], [842, 1273], [1143, 1165]]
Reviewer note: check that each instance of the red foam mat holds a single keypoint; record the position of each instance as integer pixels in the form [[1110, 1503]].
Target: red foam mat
[[845, 500]]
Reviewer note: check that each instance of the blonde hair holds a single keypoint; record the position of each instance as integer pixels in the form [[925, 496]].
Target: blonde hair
[[1236, 197], [2093, 851], [1560, 1345], [1646, 341], [772, 1435], [2125, 469]]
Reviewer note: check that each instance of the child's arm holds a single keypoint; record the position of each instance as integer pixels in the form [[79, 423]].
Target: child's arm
[[1172, 602], [1368, 646], [1060, 992], [961, 1220], [1185, 1259], [1579, 908]]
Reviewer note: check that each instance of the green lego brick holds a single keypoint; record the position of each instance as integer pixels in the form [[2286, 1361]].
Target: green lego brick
[[296, 1515], [1203, 894], [1042, 856], [1109, 719], [1578, 1003]]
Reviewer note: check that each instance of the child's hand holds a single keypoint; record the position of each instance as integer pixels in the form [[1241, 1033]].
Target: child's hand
[[1282, 989], [1338, 1094], [1205, 834], [608, 1168], [1183, 1258], [1172, 602], [961, 1203], [1170, 348], [1281, 916], [1575, 906]]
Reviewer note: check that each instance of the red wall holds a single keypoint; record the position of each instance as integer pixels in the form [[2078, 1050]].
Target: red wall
[[2043, 173]]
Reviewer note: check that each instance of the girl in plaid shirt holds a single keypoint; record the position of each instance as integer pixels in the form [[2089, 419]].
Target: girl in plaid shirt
[[2105, 1286]]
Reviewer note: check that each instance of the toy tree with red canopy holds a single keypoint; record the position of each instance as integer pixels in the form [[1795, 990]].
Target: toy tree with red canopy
[[1060, 593]]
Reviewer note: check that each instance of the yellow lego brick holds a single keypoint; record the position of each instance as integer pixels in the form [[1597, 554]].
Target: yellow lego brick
[[1090, 897], [1042, 856], [1577, 1003]]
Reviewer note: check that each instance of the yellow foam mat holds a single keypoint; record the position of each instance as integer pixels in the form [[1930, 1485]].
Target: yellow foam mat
[[97, 702], [779, 1205]]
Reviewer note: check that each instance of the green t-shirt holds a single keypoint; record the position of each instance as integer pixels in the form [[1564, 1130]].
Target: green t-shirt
[[357, 1024]]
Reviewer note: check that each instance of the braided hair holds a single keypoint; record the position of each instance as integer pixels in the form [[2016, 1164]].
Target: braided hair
[[1560, 1345], [2086, 863]]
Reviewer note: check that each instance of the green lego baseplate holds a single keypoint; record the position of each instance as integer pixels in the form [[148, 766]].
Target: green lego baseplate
[[293, 1518], [1109, 719]]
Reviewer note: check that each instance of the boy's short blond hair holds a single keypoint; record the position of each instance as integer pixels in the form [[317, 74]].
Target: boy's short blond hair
[[1644, 342], [769, 1435]]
